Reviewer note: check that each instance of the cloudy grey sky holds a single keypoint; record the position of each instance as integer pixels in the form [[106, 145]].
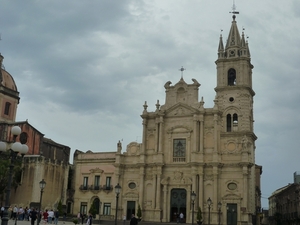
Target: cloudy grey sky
[[85, 68]]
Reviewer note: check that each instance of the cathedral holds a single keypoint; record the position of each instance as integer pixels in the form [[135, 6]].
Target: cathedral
[[186, 149]]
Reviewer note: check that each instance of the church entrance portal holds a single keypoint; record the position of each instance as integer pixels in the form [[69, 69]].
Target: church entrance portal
[[178, 203], [130, 209]]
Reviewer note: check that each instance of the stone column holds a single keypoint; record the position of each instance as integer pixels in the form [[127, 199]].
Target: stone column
[[156, 136], [195, 136], [160, 134], [165, 188], [144, 140], [154, 190], [201, 134], [141, 194], [158, 190]]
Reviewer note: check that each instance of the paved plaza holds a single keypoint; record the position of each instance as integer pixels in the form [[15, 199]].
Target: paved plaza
[[96, 222]]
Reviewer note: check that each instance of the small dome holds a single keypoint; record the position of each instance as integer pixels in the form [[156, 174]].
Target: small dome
[[6, 79]]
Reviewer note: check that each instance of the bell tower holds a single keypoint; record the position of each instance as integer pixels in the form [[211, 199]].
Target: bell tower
[[234, 82]]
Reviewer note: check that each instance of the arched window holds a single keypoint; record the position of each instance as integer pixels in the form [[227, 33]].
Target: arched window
[[97, 205], [231, 122], [231, 77], [7, 107], [228, 123]]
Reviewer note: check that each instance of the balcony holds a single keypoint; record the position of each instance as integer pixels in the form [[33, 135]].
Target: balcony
[[179, 159], [84, 187], [107, 187], [96, 188]]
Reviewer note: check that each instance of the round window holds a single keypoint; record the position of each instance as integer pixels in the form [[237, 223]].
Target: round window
[[231, 99], [232, 186], [131, 185]]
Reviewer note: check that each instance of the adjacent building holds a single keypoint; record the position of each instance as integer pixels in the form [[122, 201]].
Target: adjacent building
[[284, 204], [45, 159]]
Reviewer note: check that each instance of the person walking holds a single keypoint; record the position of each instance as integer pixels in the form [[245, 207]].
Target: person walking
[[124, 219], [45, 216], [50, 216], [181, 217], [133, 220], [56, 216], [33, 216]]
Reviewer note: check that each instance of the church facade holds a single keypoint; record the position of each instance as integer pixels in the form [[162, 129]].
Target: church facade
[[185, 148]]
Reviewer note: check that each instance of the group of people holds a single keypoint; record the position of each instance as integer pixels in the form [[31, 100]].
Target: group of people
[[50, 216], [20, 213], [180, 217], [82, 217], [17, 213]]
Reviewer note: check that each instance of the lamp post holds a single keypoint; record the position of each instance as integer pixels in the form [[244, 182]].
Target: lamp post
[[117, 190], [209, 202], [219, 211], [42, 186], [14, 150], [193, 197]]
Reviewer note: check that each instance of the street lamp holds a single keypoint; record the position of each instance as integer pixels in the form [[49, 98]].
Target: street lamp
[[193, 197], [14, 150], [209, 202], [42, 186], [117, 190], [219, 211]]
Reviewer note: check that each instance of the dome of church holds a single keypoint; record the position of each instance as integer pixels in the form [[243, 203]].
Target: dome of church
[[6, 79]]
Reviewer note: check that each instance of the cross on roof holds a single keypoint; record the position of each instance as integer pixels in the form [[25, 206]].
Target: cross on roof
[[182, 69]]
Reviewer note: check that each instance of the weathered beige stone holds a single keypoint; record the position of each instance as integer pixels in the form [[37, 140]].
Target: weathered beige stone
[[186, 147]]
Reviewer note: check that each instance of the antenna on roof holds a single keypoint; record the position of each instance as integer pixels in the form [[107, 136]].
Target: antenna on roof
[[233, 9]]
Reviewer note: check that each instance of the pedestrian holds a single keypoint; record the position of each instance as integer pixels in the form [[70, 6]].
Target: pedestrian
[[50, 216], [64, 218], [181, 217], [45, 216], [78, 216], [15, 212], [33, 216], [56, 216], [124, 219], [82, 218], [2, 211], [21, 213], [133, 220], [89, 220]]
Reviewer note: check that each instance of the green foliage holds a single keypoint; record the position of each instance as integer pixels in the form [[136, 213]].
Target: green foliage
[[93, 210], [60, 208], [139, 212], [75, 221], [199, 214], [4, 171]]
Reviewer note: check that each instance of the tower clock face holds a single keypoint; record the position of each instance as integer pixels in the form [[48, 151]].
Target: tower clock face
[[179, 147]]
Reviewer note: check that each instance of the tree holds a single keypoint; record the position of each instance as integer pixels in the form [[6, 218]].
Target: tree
[[139, 212], [199, 216], [93, 210], [59, 207], [4, 171]]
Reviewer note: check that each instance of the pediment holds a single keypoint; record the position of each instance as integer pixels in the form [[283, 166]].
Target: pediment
[[96, 170], [180, 109], [232, 196]]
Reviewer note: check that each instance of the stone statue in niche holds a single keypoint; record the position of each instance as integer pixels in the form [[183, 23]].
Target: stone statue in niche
[[119, 145]]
